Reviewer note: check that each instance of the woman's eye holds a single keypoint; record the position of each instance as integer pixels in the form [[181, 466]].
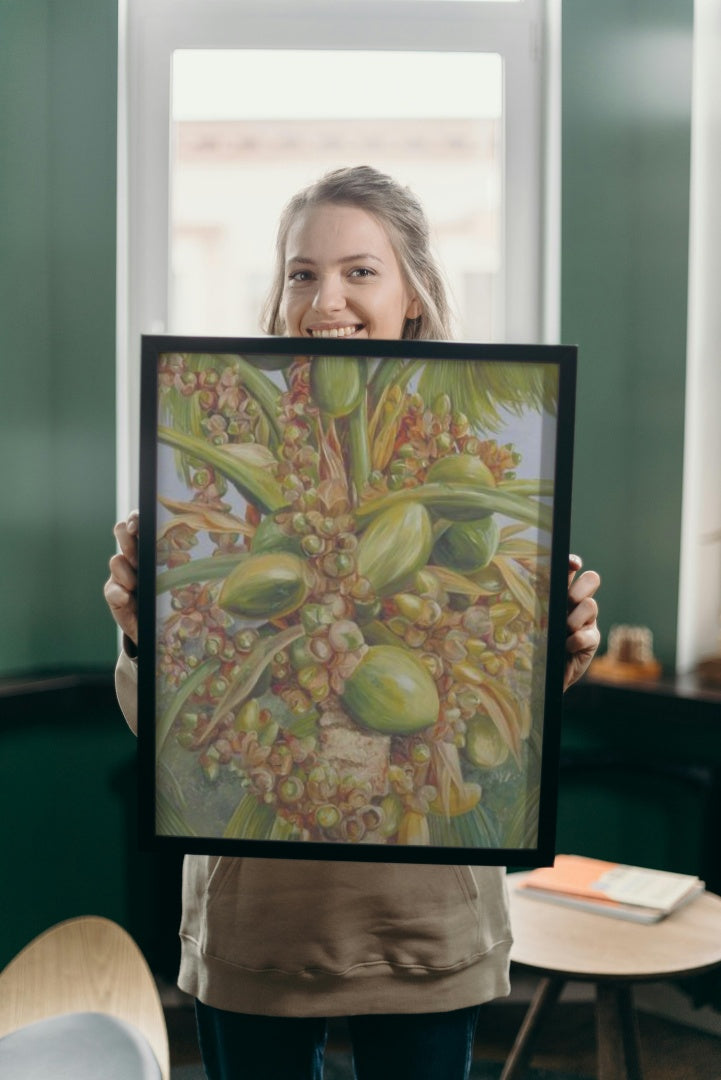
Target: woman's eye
[[362, 272], [300, 275]]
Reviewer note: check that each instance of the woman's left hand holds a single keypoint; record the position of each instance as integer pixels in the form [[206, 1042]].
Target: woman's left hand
[[583, 635]]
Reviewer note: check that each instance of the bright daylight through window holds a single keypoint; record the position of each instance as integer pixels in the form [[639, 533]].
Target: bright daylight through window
[[238, 156]]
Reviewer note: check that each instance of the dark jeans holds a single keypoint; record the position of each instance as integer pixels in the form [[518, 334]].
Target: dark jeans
[[415, 1046]]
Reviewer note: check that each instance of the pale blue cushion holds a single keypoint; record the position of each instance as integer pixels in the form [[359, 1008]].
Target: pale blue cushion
[[78, 1046]]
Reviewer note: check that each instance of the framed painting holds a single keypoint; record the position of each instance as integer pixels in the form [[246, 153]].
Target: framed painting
[[352, 597]]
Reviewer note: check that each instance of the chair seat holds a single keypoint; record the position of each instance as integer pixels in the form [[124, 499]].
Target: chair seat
[[78, 1046]]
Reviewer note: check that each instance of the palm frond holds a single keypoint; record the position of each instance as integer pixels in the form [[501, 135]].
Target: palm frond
[[523, 823], [170, 806], [482, 390], [250, 820], [476, 829], [187, 689]]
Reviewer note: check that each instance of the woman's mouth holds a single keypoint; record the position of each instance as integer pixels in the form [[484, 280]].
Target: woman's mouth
[[335, 331]]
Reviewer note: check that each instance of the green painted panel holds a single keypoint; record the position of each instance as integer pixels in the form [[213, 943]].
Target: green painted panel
[[57, 326], [25, 401], [626, 147]]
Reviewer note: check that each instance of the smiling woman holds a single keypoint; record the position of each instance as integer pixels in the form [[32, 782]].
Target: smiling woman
[[331, 292], [353, 259]]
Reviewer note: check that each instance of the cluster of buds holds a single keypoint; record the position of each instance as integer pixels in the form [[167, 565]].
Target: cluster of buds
[[350, 591]]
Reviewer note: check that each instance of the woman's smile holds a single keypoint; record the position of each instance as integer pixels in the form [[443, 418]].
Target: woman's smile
[[342, 277], [335, 331]]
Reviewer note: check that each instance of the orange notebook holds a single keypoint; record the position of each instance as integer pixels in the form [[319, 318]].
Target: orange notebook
[[631, 892]]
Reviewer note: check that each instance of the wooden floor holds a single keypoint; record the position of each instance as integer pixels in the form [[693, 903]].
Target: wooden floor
[[669, 1051]]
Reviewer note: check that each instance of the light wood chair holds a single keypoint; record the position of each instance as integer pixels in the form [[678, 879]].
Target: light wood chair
[[84, 965]]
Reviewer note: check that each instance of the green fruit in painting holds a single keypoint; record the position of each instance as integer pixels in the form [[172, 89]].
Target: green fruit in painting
[[391, 692], [270, 537], [266, 586], [395, 546], [461, 469], [337, 384], [484, 745], [466, 471], [467, 545]]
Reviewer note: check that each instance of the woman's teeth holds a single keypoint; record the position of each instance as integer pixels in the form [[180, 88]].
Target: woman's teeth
[[336, 332]]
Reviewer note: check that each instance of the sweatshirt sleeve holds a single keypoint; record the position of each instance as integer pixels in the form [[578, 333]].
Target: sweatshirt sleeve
[[126, 688]]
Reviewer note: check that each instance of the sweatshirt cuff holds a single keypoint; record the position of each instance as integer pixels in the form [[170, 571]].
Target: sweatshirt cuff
[[130, 648]]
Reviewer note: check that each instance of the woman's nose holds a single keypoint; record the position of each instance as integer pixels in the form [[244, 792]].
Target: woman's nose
[[329, 296]]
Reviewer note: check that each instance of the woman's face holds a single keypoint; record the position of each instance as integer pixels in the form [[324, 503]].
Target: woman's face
[[342, 277]]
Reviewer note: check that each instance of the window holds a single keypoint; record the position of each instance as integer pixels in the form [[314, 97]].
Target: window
[[699, 623], [227, 107], [235, 160]]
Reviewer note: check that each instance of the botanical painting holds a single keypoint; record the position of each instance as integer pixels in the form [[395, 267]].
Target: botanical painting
[[351, 582]]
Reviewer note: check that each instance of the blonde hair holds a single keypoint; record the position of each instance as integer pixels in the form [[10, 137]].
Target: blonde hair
[[403, 217]]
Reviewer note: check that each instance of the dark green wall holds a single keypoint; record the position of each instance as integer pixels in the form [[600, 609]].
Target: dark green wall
[[68, 807], [625, 200], [58, 74]]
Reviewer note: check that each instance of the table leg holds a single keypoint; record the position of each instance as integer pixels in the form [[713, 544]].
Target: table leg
[[617, 1033], [545, 997]]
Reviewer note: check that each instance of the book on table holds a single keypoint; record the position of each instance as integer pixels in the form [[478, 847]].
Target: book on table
[[609, 888]]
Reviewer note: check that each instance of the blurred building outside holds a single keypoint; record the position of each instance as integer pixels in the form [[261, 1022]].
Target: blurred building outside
[[230, 180]]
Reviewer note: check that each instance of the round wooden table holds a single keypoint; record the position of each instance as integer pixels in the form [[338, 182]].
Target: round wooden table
[[563, 944]]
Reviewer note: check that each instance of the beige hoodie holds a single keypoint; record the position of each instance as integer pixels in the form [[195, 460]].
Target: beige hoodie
[[310, 938]]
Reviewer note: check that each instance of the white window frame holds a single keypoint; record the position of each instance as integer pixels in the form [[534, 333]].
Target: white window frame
[[526, 34], [699, 597]]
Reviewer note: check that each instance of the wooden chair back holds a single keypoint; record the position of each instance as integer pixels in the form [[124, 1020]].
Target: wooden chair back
[[86, 964]]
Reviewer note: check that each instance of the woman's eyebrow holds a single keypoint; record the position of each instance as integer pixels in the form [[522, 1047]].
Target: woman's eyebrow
[[361, 257]]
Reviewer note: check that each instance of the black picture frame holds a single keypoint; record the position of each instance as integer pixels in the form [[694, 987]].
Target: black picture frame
[[268, 695]]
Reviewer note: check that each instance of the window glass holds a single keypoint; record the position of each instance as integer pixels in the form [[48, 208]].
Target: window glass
[[239, 154]]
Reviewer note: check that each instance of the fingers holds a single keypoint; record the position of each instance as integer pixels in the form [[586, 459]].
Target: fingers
[[582, 633], [583, 587], [123, 608], [583, 613], [126, 534], [120, 588], [575, 563], [586, 640]]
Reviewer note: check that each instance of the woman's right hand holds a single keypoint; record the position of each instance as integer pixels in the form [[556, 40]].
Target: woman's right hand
[[121, 587]]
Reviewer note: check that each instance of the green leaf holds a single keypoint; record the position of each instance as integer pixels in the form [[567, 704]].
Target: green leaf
[[476, 829], [250, 820], [208, 569], [253, 482], [265, 392], [377, 633], [359, 447], [526, 487], [251, 670], [522, 831], [284, 830], [303, 726], [187, 689], [453, 582], [392, 373], [168, 819], [438, 496]]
